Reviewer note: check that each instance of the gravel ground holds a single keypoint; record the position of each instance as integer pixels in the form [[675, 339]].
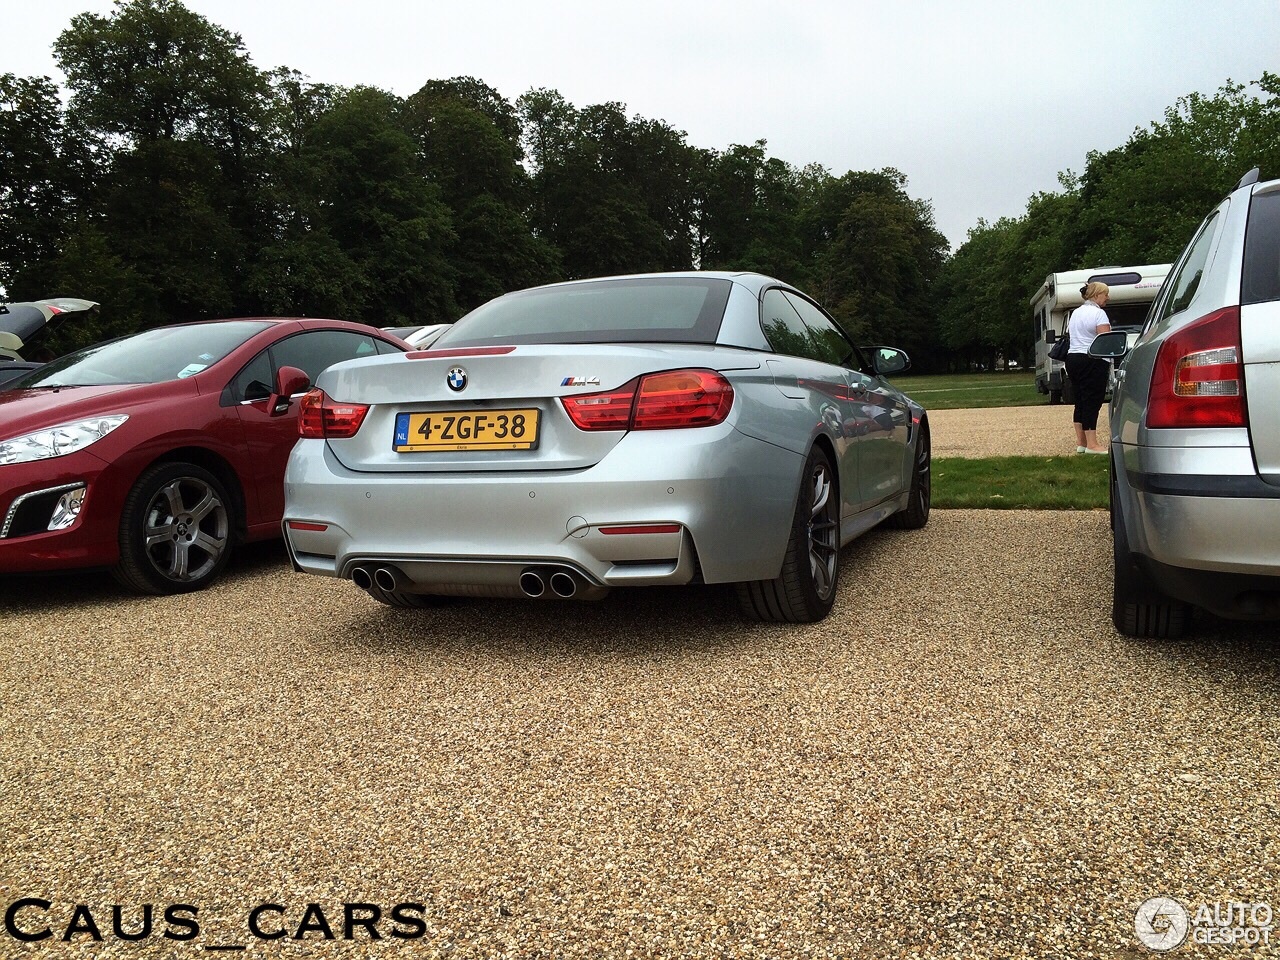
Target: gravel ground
[[1006, 431], [957, 763]]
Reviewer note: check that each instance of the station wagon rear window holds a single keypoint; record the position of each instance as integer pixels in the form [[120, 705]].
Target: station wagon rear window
[[634, 310], [1261, 273]]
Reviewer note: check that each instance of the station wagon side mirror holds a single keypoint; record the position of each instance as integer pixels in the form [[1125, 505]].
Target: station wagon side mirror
[[289, 380], [1110, 346], [887, 360]]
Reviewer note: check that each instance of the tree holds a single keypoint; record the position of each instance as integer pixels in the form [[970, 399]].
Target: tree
[[469, 143], [374, 202], [875, 255], [33, 179], [169, 110], [613, 195], [750, 206]]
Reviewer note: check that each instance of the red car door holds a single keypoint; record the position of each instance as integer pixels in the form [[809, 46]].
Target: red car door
[[271, 430]]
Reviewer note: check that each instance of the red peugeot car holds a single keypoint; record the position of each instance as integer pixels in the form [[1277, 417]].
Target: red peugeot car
[[154, 454]]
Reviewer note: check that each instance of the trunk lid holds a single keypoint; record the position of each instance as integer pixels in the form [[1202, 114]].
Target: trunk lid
[[490, 384]]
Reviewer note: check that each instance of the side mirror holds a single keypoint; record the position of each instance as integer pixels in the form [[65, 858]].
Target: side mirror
[[289, 380], [1050, 335], [1110, 346], [887, 360]]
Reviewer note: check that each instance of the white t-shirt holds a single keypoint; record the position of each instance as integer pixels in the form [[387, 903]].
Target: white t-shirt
[[1083, 325]]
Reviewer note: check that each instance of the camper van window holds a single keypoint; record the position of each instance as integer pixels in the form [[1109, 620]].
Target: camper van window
[[1117, 279]]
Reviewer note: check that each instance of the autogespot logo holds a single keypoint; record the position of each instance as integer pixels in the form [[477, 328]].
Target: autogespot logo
[[1161, 923]]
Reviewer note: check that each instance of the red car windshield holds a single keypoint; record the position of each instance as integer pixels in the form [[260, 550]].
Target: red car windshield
[[167, 353]]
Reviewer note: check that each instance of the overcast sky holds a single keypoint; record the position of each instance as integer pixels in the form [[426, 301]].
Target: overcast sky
[[980, 104]]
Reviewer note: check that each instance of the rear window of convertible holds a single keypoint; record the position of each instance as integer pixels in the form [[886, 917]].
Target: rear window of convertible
[[636, 310]]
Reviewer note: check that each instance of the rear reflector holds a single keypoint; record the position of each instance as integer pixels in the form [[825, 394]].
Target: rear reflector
[[641, 529], [1198, 379], [304, 525], [320, 418], [658, 401]]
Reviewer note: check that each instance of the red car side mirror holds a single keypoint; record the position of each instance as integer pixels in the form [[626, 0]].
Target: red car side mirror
[[289, 380]]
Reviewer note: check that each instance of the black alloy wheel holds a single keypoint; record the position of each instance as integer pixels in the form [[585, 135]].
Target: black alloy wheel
[[805, 590]]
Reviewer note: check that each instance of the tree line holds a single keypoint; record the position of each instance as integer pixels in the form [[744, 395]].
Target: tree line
[[1136, 204], [178, 181]]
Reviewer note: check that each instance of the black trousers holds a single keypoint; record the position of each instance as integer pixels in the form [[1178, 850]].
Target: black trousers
[[1089, 375]]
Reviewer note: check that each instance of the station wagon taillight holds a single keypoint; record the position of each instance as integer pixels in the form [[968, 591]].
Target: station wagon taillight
[[1198, 379], [658, 401], [321, 418]]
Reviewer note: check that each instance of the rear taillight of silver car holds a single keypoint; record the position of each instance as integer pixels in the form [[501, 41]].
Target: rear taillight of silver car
[[1198, 379], [668, 400]]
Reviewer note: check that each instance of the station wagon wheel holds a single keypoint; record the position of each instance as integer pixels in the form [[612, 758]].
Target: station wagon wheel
[[919, 497], [1138, 608], [175, 530], [805, 590]]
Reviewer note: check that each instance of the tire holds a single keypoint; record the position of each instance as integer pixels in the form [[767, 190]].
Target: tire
[[1055, 398], [805, 590], [175, 530], [1138, 609], [916, 514]]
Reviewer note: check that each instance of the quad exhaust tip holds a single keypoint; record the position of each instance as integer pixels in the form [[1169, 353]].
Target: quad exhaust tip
[[563, 584], [535, 583], [386, 579]]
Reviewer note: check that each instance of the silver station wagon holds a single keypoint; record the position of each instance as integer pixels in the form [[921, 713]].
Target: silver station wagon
[[1195, 429], [621, 432]]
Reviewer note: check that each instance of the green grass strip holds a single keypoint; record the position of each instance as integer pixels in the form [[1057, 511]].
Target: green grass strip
[[962, 391], [1077, 482]]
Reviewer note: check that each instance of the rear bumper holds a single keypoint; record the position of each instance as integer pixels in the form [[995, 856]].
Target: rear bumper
[[1211, 540], [730, 498]]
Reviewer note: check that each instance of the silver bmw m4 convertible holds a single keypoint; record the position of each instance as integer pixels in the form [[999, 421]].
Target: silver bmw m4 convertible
[[620, 432]]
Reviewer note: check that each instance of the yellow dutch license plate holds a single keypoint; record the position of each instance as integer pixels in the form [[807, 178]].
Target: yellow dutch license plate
[[467, 430]]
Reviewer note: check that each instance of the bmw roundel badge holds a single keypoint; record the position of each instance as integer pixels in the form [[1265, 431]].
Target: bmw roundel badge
[[457, 378]]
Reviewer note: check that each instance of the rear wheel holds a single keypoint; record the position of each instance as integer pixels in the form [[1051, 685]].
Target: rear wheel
[[1055, 397], [1138, 609], [1068, 390], [805, 590], [175, 530], [916, 515]]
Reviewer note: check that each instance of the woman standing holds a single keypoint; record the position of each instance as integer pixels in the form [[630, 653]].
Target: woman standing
[[1088, 374]]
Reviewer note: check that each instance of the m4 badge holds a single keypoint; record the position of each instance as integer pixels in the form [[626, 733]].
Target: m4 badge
[[580, 382]]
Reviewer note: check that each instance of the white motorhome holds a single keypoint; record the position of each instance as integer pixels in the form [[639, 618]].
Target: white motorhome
[[1132, 290]]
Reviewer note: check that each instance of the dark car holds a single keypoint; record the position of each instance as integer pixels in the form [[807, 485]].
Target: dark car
[[152, 455], [24, 332]]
